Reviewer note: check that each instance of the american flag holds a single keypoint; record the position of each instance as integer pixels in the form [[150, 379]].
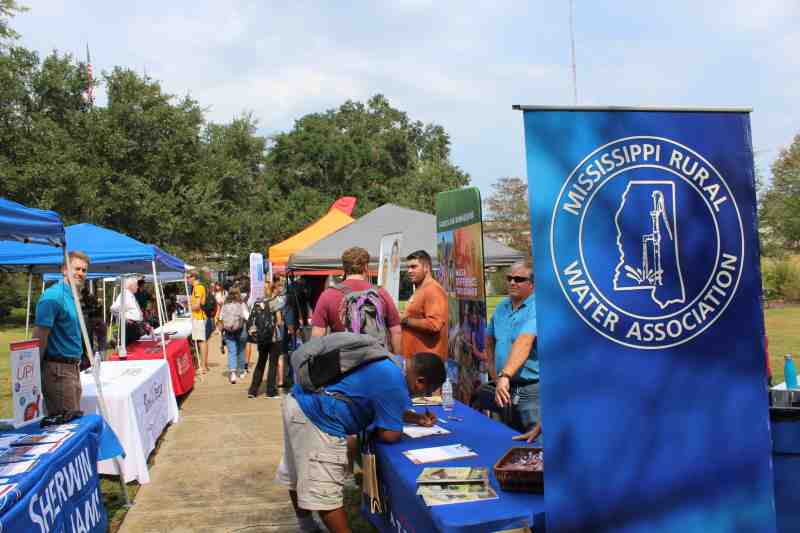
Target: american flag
[[89, 85]]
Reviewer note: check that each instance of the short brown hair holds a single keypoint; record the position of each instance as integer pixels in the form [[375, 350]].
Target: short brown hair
[[355, 260], [77, 254]]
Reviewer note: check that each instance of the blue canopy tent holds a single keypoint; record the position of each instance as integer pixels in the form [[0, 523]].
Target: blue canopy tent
[[110, 252], [20, 225], [26, 224]]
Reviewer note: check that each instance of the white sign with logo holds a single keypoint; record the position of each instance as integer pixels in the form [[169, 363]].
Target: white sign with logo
[[256, 278], [26, 382], [389, 264]]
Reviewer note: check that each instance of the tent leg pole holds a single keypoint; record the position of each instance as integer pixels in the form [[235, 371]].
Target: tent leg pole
[[105, 321], [28, 306], [160, 316], [101, 402]]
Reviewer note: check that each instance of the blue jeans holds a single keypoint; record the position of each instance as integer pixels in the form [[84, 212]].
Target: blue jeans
[[235, 345], [522, 414]]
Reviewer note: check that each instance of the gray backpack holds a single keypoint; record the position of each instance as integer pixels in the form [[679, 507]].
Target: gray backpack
[[363, 312], [325, 360], [232, 317]]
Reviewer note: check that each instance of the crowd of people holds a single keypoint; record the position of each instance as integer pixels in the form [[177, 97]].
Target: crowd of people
[[320, 425]]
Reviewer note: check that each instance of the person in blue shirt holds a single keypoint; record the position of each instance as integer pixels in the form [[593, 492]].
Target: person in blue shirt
[[60, 341], [375, 397], [511, 344]]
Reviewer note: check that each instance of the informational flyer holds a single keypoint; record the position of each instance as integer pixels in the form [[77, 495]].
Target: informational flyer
[[26, 382], [459, 241], [389, 264]]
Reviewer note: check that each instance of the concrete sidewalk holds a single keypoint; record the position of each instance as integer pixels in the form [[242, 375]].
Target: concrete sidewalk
[[214, 469]]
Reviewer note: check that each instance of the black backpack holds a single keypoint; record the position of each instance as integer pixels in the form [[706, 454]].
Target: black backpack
[[261, 324], [210, 304], [325, 360]]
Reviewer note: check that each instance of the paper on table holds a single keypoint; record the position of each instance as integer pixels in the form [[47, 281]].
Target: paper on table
[[427, 400], [13, 469], [416, 432], [16, 454], [448, 494], [439, 453]]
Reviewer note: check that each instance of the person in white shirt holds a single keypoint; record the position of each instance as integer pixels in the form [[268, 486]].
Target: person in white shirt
[[134, 319]]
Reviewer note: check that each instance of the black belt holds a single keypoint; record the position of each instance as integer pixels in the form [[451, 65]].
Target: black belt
[[524, 382], [64, 360]]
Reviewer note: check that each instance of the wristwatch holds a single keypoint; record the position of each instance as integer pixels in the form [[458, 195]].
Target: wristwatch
[[502, 374]]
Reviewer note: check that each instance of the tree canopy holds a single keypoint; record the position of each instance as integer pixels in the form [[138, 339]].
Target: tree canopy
[[780, 203], [508, 217], [150, 164]]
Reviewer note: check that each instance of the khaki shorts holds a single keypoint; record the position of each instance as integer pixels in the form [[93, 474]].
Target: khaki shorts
[[314, 463], [61, 386], [199, 329]]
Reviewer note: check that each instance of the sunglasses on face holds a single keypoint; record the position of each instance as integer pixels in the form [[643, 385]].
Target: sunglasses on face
[[517, 279]]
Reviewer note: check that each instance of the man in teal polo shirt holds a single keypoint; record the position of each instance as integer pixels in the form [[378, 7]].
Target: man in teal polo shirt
[[511, 344], [60, 342]]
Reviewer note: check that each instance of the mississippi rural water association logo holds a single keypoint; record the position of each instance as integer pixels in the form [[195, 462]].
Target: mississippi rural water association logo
[[647, 242]]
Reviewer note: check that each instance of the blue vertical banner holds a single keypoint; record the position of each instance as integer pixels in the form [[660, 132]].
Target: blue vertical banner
[[653, 390]]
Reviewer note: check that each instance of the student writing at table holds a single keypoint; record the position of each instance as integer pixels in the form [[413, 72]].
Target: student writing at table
[[316, 425]]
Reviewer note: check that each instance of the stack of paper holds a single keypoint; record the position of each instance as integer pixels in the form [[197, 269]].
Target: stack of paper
[[427, 400], [443, 486], [439, 453]]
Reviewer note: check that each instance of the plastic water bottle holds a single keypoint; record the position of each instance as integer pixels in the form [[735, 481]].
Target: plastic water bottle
[[447, 395], [789, 372]]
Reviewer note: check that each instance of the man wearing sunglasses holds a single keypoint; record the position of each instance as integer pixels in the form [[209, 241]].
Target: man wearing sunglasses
[[511, 344]]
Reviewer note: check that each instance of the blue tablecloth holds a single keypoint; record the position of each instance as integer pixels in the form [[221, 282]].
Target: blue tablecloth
[[786, 469], [406, 510], [62, 492]]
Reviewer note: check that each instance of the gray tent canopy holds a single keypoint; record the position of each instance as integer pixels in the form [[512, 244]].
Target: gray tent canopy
[[419, 233]]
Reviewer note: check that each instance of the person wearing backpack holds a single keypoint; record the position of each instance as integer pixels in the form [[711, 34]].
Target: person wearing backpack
[[265, 319], [342, 308], [232, 317], [369, 391]]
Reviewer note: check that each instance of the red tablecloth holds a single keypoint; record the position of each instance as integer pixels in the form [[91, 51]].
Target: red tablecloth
[[179, 359]]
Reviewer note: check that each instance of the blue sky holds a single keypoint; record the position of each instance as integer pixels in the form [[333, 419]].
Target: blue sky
[[458, 64]]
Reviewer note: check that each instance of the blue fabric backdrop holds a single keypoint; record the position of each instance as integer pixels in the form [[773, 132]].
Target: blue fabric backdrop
[[20, 223], [109, 251], [648, 287]]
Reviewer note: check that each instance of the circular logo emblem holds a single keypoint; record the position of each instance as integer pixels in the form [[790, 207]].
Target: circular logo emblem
[[647, 242]]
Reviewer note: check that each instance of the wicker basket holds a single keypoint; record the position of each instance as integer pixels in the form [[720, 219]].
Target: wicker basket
[[517, 480]]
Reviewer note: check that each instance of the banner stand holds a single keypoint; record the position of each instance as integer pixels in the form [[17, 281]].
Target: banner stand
[[101, 402]]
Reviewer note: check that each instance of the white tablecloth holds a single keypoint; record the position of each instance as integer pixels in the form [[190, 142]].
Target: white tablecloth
[[179, 328], [140, 404]]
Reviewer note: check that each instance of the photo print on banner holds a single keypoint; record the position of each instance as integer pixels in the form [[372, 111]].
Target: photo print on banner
[[459, 241]]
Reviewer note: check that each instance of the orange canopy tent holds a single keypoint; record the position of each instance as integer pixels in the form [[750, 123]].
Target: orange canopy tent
[[336, 218]]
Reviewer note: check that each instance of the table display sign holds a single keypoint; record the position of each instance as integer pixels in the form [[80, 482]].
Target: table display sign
[[654, 405], [459, 248], [389, 264], [256, 278], [26, 382]]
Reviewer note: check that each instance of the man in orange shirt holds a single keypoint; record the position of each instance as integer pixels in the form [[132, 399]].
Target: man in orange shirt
[[424, 321]]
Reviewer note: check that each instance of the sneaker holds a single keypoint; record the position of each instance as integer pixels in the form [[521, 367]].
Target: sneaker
[[233, 377], [242, 374], [251, 395]]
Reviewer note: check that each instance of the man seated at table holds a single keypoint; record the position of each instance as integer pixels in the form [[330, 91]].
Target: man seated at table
[[316, 425], [135, 326], [60, 343]]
